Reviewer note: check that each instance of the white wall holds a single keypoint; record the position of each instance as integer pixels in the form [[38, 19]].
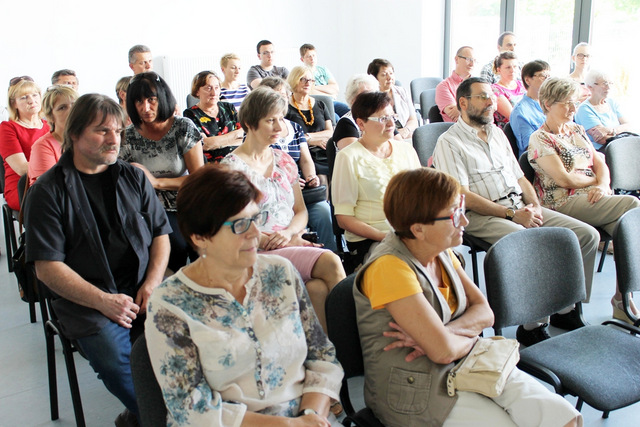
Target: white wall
[[93, 38]]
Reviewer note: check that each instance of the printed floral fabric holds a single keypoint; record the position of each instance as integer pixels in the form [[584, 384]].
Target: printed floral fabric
[[277, 190], [163, 158], [576, 154], [227, 121], [216, 358]]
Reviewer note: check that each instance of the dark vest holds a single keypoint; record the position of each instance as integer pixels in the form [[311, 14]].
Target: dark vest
[[401, 393]]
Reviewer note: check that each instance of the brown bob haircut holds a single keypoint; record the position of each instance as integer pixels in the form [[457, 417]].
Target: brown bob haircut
[[416, 197], [210, 196], [368, 103], [200, 80]]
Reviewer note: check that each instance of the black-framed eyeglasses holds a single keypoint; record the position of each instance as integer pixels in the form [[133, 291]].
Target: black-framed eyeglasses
[[483, 97], [469, 60], [305, 80], [241, 225], [457, 214]]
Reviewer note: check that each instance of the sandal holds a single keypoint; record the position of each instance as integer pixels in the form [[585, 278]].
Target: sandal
[[619, 313]]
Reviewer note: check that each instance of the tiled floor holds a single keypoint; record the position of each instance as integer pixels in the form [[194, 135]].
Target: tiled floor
[[24, 397]]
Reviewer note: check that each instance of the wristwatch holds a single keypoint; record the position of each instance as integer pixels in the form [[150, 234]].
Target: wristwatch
[[307, 411], [510, 214]]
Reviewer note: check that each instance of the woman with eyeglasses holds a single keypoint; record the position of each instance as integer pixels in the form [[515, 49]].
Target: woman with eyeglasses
[[166, 147], [362, 171], [233, 338], [276, 175], [581, 60], [571, 176], [509, 90], [414, 288], [601, 115], [18, 134], [217, 120]]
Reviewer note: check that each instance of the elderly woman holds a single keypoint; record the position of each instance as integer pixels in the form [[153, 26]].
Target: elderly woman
[[401, 102], [527, 115], [231, 90], [414, 284], [18, 134], [581, 60], [347, 130], [571, 177], [46, 151], [601, 115], [363, 170], [509, 90], [275, 174], [215, 119], [164, 146], [232, 337]]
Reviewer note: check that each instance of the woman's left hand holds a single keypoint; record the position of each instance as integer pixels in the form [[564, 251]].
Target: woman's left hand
[[597, 193], [403, 340], [277, 239], [148, 174]]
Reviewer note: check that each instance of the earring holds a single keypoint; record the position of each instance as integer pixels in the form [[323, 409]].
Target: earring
[[204, 253]]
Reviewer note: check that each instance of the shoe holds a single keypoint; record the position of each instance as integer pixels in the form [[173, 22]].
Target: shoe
[[336, 409], [126, 419], [534, 336], [569, 321], [618, 311]]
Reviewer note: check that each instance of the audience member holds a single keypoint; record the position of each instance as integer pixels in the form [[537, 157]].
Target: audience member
[[347, 130], [18, 134], [276, 176], [446, 89], [326, 84], [527, 115], [601, 115], [231, 90], [216, 120], [362, 171], [509, 89], [92, 247], [403, 107], [499, 198], [581, 60], [165, 147], [65, 77], [140, 59], [121, 94], [506, 43], [266, 54], [205, 321], [46, 151], [415, 285], [571, 177]]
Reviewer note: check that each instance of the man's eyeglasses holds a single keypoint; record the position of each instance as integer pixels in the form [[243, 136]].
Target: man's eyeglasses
[[469, 60], [241, 225], [384, 119], [457, 214], [483, 97], [305, 80], [583, 55], [544, 76]]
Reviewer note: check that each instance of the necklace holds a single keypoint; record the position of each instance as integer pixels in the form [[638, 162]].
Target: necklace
[[295, 104], [30, 125]]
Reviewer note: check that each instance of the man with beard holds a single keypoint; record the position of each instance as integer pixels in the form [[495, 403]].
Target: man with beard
[[499, 198]]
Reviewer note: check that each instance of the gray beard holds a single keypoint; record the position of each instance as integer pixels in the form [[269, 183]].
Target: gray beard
[[479, 119]]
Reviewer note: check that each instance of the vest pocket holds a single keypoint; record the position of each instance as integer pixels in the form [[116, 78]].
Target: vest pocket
[[408, 391]]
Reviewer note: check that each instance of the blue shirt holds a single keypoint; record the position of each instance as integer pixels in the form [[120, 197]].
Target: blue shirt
[[526, 118], [588, 117]]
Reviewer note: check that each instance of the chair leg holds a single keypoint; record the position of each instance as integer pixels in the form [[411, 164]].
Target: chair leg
[[579, 404], [474, 266], [73, 383], [604, 253], [51, 367], [605, 414]]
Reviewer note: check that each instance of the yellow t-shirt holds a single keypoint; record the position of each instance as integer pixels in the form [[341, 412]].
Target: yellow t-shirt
[[390, 279]]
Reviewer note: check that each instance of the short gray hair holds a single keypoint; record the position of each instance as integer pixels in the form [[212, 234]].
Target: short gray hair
[[139, 48], [556, 89], [261, 102], [593, 76], [355, 84]]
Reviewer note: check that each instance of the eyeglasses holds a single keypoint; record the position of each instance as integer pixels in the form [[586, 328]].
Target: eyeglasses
[[544, 76], [469, 60], [17, 80], [570, 103], [457, 214], [583, 55], [384, 119], [483, 97], [241, 225], [605, 83], [305, 80]]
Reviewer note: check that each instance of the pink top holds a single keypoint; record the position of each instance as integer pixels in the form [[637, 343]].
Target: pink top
[[513, 96], [45, 153], [446, 93], [15, 138]]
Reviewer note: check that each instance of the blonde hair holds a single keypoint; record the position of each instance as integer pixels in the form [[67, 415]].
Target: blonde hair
[[228, 57], [556, 89], [51, 96], [16, 91], [296, 74]]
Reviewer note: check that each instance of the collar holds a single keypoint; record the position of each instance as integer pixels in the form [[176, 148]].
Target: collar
[[457, 78], [468, 128]]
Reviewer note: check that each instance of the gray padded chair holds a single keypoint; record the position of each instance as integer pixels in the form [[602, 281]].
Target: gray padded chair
[[627, 244], [151, 407], [418, 86], [425, 137], [623, 157], [427, 100], [191, 101], [599, 364], [328, 101], [508, 132]]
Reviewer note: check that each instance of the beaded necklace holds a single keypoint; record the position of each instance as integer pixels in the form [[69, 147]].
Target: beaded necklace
[[295, 104]]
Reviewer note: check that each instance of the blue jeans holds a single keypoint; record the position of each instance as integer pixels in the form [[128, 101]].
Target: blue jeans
[[320, 222], [340, 108], [108, 352]]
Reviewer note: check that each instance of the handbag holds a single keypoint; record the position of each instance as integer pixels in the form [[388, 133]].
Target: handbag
[[313, 195], [486, 368]]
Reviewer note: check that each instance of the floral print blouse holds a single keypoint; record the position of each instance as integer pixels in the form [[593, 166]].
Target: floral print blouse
[[277, 190], [227, 121], [576, 154], [216, 358]]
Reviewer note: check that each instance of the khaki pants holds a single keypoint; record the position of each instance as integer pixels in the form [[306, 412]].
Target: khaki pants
[[604, 213]]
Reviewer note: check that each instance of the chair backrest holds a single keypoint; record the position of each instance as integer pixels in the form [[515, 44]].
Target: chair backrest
[[533, 273], [328, 102], [151, 407], [623, 157], [434, 115], [332, 150], [526, 167], [512, 139], [425, 138], [427, 100], [191, 101], [1, 175], [421, 84], [627, 243]]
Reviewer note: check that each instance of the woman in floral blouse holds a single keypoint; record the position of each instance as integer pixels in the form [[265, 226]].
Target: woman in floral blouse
[[571, 177], [216, 120], [232, 337]]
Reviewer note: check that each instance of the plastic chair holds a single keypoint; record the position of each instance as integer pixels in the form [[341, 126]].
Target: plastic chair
[[419, 85], [342, 328], [625, 240], [427, 100], [475, 245], [512, 139], [623, 157], [425, 138], [599, 364], [152, 411]]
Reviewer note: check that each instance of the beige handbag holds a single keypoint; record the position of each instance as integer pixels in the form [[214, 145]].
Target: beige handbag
[[486, 368]]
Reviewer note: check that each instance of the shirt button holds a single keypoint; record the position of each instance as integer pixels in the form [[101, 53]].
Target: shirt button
[[411, 380], [261, 393]]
